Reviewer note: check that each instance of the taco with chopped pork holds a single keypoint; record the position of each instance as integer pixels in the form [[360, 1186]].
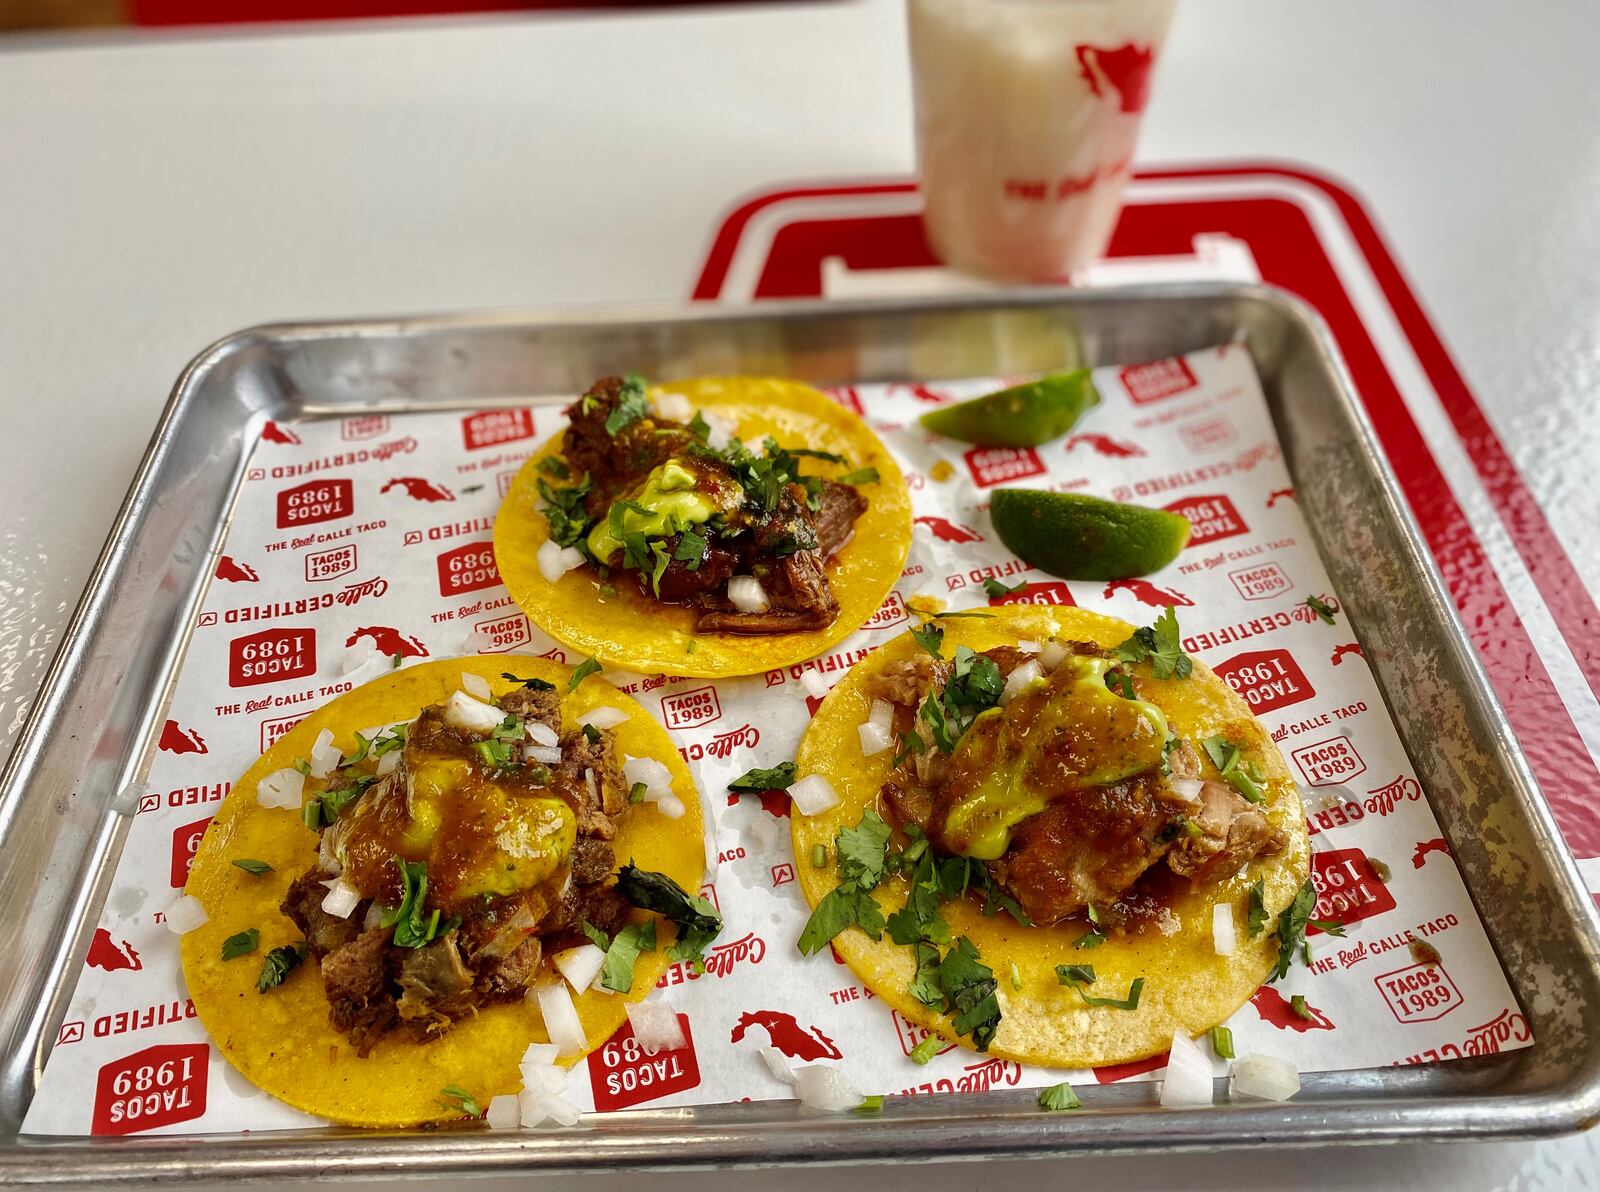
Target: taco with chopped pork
[[397, 885], [1057, 838], [716, 526]]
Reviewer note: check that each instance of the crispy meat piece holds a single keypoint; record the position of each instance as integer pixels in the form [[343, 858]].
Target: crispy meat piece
[[680, 585], [356, 977], [436, 987], [303, 904], [835, 521], [1232, 832], [615, 463], [541, 705], [511, 976]]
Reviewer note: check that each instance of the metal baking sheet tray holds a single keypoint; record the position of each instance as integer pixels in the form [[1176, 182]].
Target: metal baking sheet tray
[[104, 699]]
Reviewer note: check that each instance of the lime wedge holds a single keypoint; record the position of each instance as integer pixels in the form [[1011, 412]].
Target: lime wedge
[[1022, 416], [1080, 537]]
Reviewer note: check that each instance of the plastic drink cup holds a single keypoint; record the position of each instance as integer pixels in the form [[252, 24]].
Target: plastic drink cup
[[1027, 116]]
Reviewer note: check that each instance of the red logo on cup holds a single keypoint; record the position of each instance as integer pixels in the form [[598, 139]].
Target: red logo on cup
[[1210, 518], [1050, 591], [185, 841], [154, 1087], [467, 569], [499, 634], [363, 426], [1267, 679], [271, 655], [315, 501], [690, 709], [1329, 762], [890, 613], [622, 1073], [1159, 379], [330, 564], [271, 730], [996, 465], [1261, 581], [496, 426], [1419, 992], [1348, 889]]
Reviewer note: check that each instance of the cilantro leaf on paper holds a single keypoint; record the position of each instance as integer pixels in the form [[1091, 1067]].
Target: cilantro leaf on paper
[[996, 589], [1321, 608], [779, 778], [1292, 922], [846, 905]]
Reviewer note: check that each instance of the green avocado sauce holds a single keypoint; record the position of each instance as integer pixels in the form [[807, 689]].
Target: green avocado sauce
[[672, 502]]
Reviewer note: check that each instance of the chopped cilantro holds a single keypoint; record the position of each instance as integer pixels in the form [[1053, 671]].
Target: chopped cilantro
[[1245, 777], [636, 792], [587, 667], [691, 549], [659, 568], [554, 465], [1059, 1096], [626, 947], [1075, 974], [395, 660], [1121, 682], [596, 937], [910, 743], [278, 964], [302, 765], [1257, 917], [411, 928], [927, 1049], [699, 427], [1158, 642], [975, 682], [591, 734], [863, 850], [846, 905], [1320, 608], [1222, 1042], [242, 944], [531, 684], [819, 855], [456, 1097], [253, 867], [563, 508], [930, 637], [1131, 1002], [1292, 923], [1092, 938], [779, 778], [860, 476], [996, 589], [969, 993], [496, 755], [632, 405], [808, 453], [697, 920], [1297, 1003], [691, 647], [925, 982], [933, 715]]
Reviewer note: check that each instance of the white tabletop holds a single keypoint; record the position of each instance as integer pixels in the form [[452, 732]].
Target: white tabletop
[[159, 192]]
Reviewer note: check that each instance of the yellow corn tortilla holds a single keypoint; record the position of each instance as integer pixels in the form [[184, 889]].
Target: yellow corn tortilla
[[631, 631], [282, 1040], [1187, 985]]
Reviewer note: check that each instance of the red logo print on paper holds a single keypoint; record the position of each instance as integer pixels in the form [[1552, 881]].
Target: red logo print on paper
[[1279, 494], [1111, 1073], [1419, 992], [1260, 581], [1159, 379], [1339, 652], [389, 642], [1329, 762], [908, 1032], [1210, 518], [273, 433], [185, 841], [330, 564], [1050, 591], [997, 465], [1390, 795], [468, 568], [1419, 856], [1125, 70], [496, 426], [1107, 446], [236, 573], [847, 397], [363, 426], [71, 1032], [622, 1073], [1208, 435], [922, 393], [788, 1036], [496, 635], [774, 803], [890, 613], [418, 489], [271, 730], [946, 530], [1348, 888], [106, 953], [272, 655], [1267, 679], [315, 501], [177, 739], [1279, 1011], [690, 709], [782, 875], [154, 1087], [1146, 592]]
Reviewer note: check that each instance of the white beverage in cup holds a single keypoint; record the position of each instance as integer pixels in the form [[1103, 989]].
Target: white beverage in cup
[[1027, 116]]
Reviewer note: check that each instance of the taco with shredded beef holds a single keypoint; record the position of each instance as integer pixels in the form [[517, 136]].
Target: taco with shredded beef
[[1040, 812], [394, 884], [718, 526]]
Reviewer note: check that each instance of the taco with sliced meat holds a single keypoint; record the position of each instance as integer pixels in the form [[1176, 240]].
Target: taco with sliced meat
[[717, 526], [400, 885], [1057, 838]]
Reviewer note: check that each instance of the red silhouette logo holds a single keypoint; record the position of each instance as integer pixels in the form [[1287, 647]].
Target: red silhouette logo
[[273, 433], [774, 803], [389, 642], [1277, 1009], [1146, 592], [105, 953], [948, 531], [1348, 648], [154, 1087], [922, 393], [788, 1036], [1437, 845], [1105, 445], [1210, 518], [1282, 494], [177, 739], [236, 573], [419, 489], [1125, 70]]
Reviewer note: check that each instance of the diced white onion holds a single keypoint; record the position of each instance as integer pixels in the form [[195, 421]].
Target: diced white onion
[[282, 788], [1028, 647], [558, 1109], [823, 1087], [462, 711], [1017, 680], [816, 686], [590, 785], [540, 1053], [529, 1113], [545, 1078], [603, 717], [1264, 1077], [541, 733], [1223, 935], [1052, 654], [656, 777], [1187, 789], [388, 762], [674, 407], [874, 739], [476, 686], [777, 1065], [656, 1026], [813, 794], [1188, 1077], [747, 595], [324, 757], [670, 806], [504, 1112], [341, 898], [374, 916], [328, 857], [720, 430], [882, 713], [542, 753], [580, 965], [185, 915], [555, 561], [561, 1020]]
